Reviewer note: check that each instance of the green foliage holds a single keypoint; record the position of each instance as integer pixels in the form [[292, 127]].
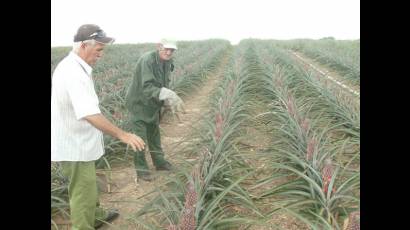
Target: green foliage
[[341, 55], [299, 108], [310, 121]]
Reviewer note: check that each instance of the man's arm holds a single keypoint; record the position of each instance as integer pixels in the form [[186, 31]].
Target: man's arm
[[103, 124], [150, 86]]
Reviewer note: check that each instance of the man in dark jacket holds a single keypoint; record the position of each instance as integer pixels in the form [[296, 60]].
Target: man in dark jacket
[[148, 92]]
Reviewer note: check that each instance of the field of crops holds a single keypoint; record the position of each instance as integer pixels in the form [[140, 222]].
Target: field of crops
[[277, 148]]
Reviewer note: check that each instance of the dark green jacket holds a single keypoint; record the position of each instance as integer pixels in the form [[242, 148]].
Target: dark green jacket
[[142, 98]]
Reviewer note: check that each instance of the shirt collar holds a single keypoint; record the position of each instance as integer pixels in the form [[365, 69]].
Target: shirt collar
[[84, 64]]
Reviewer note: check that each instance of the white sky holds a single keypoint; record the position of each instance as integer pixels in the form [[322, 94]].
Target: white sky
[[136, 21]]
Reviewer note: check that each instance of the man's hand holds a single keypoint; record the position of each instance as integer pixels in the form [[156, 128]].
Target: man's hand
[[172, 101], [133, 140], [103, 124], [176, 104]]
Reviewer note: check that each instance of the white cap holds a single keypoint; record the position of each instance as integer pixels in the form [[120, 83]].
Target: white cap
[[169, 43]]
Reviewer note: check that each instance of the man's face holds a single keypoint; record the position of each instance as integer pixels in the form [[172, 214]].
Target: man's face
[[165, 54], [93, 52]]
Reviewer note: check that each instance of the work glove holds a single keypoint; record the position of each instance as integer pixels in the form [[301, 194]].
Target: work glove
[[172, 101]]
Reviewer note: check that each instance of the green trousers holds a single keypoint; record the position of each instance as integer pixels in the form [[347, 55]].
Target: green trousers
[[150, 133], [83, 194]]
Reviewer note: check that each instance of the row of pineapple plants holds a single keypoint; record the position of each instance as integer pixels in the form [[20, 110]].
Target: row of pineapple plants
[[172, 210], [209, 192], [338, 106], [194, 63], [334, 108], [309, 184], [340, 55]]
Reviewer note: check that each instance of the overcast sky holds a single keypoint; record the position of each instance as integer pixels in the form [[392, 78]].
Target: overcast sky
[[136, 21]]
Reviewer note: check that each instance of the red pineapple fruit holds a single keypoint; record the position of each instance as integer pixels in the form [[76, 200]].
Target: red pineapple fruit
[[310, 149], [187, 221], [327, 173], [305, 125], [218, 129]]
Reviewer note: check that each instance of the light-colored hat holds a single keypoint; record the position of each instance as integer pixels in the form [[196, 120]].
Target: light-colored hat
[[169, 43]]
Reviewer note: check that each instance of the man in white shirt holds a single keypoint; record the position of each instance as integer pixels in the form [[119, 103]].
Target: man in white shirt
[[77, 126]]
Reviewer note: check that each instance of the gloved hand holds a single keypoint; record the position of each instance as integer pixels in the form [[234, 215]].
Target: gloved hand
[[172, 100]]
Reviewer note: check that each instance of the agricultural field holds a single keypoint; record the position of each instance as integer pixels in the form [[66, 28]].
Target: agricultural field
[[270, 138]]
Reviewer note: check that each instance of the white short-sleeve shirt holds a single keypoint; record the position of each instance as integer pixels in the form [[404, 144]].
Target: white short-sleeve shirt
[[72, 98]]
